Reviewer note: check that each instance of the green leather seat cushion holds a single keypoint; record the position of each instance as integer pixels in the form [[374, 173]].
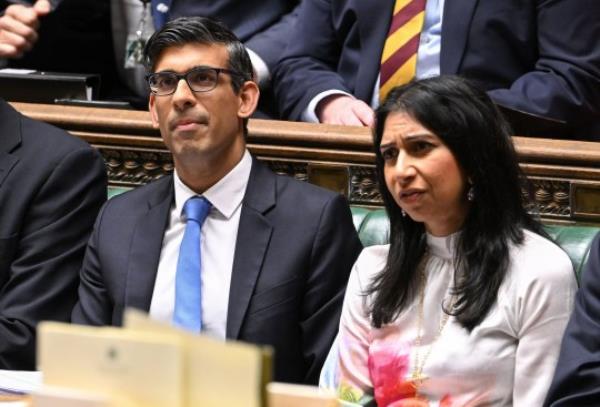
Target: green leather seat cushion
[[374, 228]]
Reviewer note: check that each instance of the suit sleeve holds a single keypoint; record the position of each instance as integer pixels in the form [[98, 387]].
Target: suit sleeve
[[334, 251], [565, 83], [270, 43], [577, 373], [308, 65], [43, 276], [93, 306]]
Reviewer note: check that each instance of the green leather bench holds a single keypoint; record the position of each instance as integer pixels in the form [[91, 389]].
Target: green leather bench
[[373, 228]]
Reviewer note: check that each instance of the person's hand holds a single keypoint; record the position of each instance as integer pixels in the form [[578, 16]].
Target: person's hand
[[19, 26], [344, 109]]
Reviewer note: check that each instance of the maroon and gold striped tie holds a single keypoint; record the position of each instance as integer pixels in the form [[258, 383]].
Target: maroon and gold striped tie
[[399, 58]]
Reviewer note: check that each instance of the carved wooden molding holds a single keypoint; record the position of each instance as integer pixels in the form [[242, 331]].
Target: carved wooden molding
[[565, 174], [549, 197]]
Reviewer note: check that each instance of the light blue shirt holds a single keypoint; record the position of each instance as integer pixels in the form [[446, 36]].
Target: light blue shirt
[[428, 57], [430, 43]]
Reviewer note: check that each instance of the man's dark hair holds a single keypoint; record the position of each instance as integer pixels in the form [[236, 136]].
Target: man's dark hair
[[201, 30], [471, 126]]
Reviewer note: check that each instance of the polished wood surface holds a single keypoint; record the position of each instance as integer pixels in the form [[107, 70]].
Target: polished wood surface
[[565, 174]]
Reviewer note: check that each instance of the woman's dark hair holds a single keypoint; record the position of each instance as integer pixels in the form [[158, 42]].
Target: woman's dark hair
[[470, 125]]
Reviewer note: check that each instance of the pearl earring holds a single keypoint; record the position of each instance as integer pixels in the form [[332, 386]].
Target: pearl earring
[[471, 194]]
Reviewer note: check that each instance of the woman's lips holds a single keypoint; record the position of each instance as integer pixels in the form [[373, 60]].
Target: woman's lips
[[411, 196]]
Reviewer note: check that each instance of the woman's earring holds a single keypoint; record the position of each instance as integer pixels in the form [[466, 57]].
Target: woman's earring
[[403, 213], [471, 194]]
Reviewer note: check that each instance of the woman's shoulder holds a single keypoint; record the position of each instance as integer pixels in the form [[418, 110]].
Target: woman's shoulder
[[539, 259], [373, 255], [370, 262]]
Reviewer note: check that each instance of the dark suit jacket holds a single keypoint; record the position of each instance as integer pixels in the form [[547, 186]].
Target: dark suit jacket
[[295, 246], [51, 188], [577, 377], [264, 26], [523, 52]]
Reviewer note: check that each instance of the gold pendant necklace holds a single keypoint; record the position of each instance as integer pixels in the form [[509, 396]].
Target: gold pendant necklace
[[417, 377]]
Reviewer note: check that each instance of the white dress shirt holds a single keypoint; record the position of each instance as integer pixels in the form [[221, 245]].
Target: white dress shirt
[[428, 58], [217, 244]]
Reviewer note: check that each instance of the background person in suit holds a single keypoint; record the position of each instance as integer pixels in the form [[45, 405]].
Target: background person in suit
[[577, 377], [264, 26], [97, 32], [522, 53], [51, 188], [72, 36], [275, 252]]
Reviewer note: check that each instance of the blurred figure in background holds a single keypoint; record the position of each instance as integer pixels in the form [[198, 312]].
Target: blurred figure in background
[[264, 26], [72, 36], [347, 54]]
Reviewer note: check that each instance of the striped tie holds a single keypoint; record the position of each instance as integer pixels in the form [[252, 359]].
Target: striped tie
[[399, 58]]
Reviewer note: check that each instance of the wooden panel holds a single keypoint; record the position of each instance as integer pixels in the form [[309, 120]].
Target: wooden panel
[[565, 174]]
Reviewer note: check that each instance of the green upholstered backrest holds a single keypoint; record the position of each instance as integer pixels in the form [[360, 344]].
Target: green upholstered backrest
[[575, 240], [114, 191], [373, 228]]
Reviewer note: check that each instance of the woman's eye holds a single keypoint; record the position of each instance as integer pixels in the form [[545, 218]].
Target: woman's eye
[[389, 154], [421, 146]]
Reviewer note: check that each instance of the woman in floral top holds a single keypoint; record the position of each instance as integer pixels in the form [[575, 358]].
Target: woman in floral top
[[467, 304]]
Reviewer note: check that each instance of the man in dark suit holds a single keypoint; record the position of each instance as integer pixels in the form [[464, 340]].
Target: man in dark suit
[[522, 52], [51, 188], [275, 252], [577, 376]]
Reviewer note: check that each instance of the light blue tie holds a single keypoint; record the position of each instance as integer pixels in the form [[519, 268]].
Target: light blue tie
[[188, 281]]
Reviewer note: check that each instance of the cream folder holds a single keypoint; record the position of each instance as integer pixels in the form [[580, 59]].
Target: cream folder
[[217, 373], [136, 368]]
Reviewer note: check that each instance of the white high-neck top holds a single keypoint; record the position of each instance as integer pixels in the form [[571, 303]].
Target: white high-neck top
[[507, 360]]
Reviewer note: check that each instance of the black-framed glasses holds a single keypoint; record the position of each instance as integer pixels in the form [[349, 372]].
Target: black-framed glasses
[[199, 79]]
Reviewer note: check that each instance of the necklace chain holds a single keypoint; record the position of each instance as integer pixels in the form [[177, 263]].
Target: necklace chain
[[417, 376]]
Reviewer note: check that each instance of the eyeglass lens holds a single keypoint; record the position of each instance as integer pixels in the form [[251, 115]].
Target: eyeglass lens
[[198, 79]]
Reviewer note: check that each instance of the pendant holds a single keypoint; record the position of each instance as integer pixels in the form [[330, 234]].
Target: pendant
[[416, 380]]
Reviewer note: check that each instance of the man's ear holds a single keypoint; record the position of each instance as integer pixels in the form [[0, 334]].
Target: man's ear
[[248, 97], [152, 109]]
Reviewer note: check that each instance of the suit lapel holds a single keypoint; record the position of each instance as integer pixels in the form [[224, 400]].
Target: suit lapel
[[254, 235], [456, 24], [372, 37], [10, 138], [146, 246]]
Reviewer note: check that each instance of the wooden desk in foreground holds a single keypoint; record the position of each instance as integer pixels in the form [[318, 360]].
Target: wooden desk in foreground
[[565, 174]]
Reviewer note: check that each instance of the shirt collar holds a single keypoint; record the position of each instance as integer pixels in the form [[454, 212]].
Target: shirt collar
[[443, 246], [226, 195]]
